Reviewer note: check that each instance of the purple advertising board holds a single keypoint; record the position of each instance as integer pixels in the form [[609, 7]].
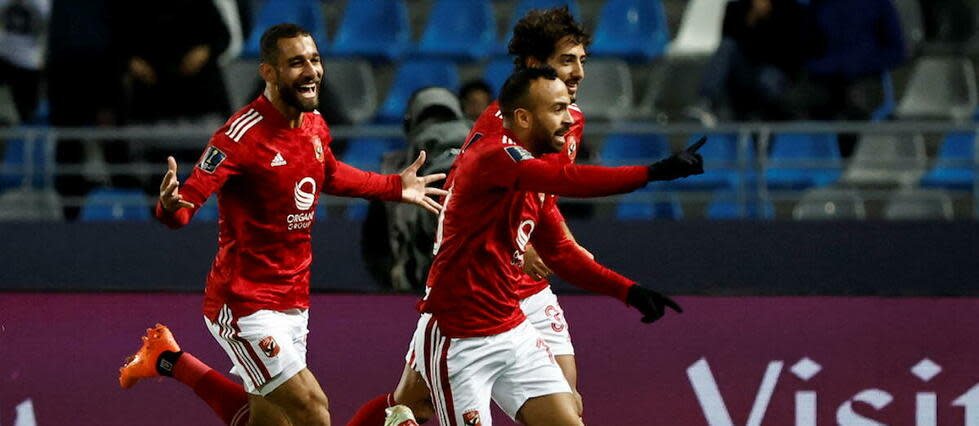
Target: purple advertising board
[[725, 361]]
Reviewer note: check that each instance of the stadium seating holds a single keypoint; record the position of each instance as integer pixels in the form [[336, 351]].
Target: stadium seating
[[208, 212], [27, 163], [728, 205], [24, 204], [115, 204], [942, 87], [635, 30], [622, 149], [377, 29], [462, 30], [365, 154], [954, 165], [700, 28], [919, 204], [242, 80], [912, 23], [803, 160], [649, 203], [412, 75], [525, 6], [830, 204], [496, 72], [608, 93], [306, 13], [887, 159], [673, 84], [721, 164], [888, 99], [352, 81]]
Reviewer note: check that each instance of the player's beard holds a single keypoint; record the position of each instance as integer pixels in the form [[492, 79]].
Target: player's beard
[[547, 140], [290, 96]]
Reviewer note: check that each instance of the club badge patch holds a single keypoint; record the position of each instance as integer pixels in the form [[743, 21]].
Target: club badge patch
[[212, 159], [572, 147], [318, 148], [518, 153], [269, 346], [471, 418]]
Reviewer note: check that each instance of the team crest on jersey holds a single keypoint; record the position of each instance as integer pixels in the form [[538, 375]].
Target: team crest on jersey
[[212, 159], [318, 147], [518, 153], [471, 418], [572, 146], [269, 346]]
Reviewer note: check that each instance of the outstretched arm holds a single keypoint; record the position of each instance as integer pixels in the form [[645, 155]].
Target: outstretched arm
[[408, 187]]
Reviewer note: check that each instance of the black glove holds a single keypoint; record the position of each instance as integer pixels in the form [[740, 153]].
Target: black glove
[[680, 164], [652, 304]]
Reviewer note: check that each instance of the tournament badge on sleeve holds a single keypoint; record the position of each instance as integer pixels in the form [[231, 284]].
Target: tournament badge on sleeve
[[318, 147]]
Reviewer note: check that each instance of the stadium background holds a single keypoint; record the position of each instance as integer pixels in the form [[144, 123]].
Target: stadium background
[[869, 314]]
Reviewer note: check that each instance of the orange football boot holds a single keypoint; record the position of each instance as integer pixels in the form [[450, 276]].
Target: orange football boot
[[142, 364]]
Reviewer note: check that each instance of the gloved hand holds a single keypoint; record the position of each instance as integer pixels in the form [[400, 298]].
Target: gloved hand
[[652, 304], [680, 164]]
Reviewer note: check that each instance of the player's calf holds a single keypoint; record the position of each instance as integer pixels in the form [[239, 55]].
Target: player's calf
[[302, 399]]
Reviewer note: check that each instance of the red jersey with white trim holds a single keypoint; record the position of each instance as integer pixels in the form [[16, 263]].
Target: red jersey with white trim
[[487, 221], [268, 177], [492, 118]]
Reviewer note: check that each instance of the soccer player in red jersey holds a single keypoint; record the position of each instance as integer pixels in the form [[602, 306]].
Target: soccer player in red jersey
[[545, 36], [268, 164], [473, 341]]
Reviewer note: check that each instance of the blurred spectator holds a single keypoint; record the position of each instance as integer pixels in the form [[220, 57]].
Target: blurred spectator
[[761, 54], [475, 96], [84, 89], [949, 21], [171, 50], [23, 30], [860, 40]]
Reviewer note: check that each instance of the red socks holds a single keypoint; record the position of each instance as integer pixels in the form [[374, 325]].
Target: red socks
[[372, 413], [227, 398]]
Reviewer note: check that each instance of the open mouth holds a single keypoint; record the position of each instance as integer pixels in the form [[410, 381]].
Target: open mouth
[[307, 90]]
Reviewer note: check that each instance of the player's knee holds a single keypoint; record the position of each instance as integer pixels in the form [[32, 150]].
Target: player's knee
[[308, 407]]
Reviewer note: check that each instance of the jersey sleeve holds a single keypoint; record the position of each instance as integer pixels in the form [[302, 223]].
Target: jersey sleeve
[[347, 181], [569, 262], [515, 168], [222, 159]]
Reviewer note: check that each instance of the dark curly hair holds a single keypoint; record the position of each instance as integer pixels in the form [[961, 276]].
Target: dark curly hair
[[536, 34]]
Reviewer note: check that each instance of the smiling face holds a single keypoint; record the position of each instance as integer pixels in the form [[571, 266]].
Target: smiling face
[[568, 60], [549, 116], [297, 73]]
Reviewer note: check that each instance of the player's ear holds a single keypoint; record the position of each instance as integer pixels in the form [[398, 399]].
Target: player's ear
[[267, 72], [532, 62], [522, 118]]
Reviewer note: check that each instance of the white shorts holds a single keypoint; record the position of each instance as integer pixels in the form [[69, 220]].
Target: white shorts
[[546, 315], [267, 347], [464, 374]]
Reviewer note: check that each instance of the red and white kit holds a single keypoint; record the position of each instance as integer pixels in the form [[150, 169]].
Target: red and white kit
[[268, 177], [495, 206]]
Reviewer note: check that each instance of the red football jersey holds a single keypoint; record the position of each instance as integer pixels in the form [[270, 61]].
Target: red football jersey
[[488, 218], [492, 120], [268, 177]]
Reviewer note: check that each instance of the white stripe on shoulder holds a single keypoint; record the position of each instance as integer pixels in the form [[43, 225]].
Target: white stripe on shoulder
[[244, 128], [235, 125]]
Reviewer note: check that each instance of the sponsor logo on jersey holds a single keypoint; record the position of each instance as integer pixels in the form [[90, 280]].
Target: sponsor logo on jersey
[[212, 159], [278, 160], [318, 148], [518, 153], [471, 418], [269, 346], [304, 198]]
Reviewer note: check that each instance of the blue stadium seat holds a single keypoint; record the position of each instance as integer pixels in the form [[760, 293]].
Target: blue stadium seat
[[208, 212], [525, 6], [794, 158], [496, 72], [462, 30], [620, 149], [305, 13], [952, 168], [27, 163], [109, 204], [634, 30], [411, 76], [649, 203], [889, 101], [366, 154], [376, 29], [726, 205], [720, 161]]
